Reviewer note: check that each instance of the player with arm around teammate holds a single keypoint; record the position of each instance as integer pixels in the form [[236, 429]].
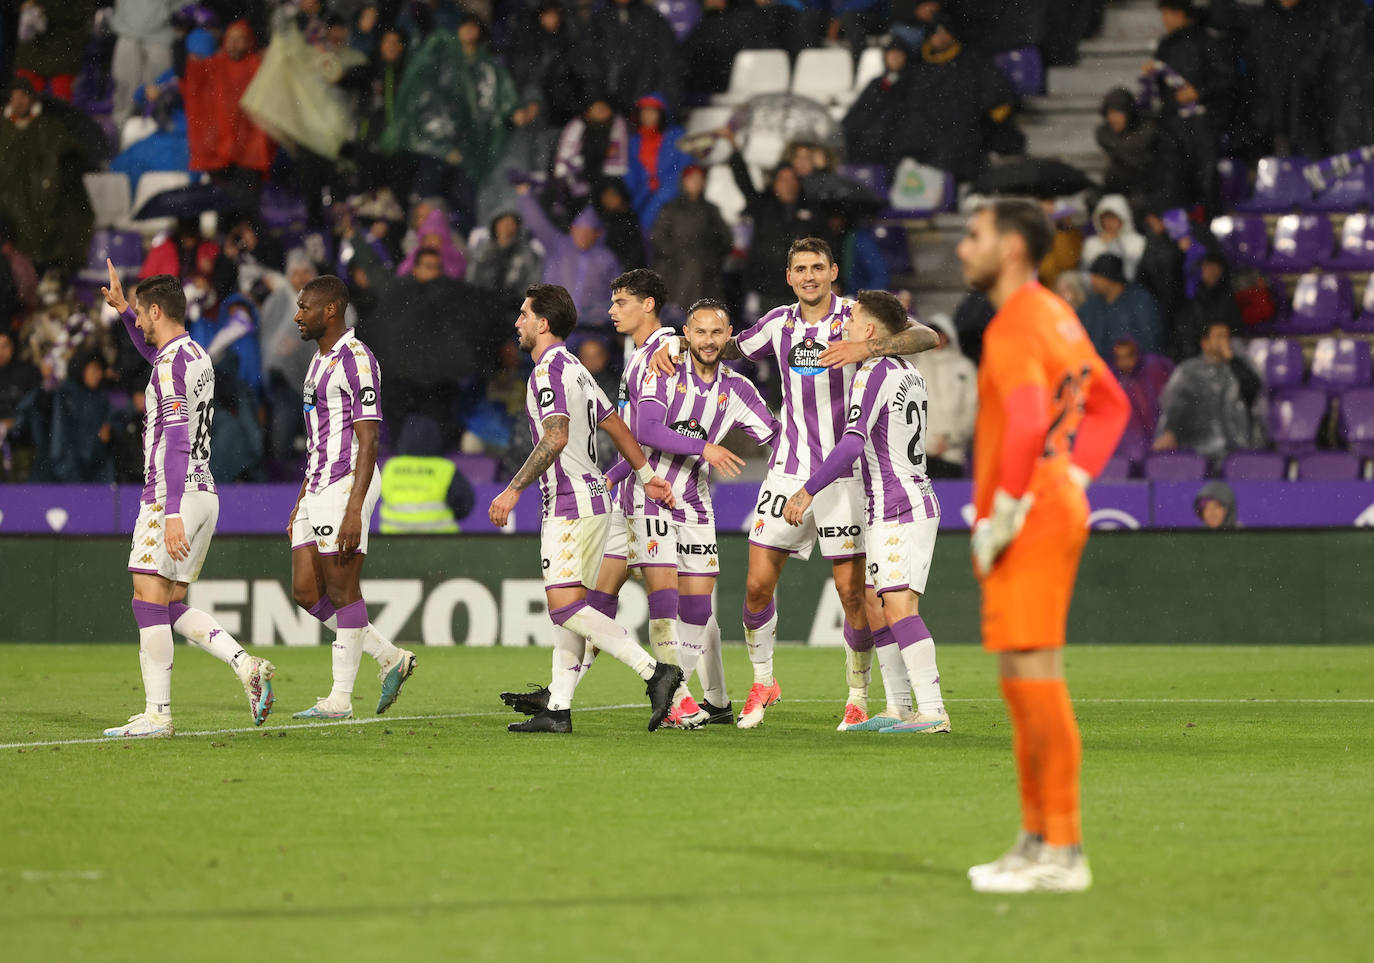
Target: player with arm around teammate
[[178, 508], [1050, 414], [885, 422], [565, 407]]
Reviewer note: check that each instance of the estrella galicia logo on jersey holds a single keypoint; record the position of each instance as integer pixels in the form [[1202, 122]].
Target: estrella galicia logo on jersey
[[805, 357], [690, 429], [545, 397], [368, 396], [309, 398]]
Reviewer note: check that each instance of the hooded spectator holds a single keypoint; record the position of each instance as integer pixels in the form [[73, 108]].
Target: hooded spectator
[[691, 242], [656, 164], [1215, 506], [952, 383], [579, 260], [51, 43], [1116, 234], [224, 140], [1142, 377], [435, 234], [870, 123], [591, 147], [1161, 266], [1118, 309], [1131, 142], [1206, 405], [1214, 301], [505, 262]]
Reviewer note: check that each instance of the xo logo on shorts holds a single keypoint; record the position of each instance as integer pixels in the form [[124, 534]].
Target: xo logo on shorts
[[545, 397], [322, 531]]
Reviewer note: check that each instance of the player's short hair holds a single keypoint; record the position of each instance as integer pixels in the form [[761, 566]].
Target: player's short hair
[[885, 309], [166, 292], [708, 304], [810, 245], [331, 289], [554, 304], [643, 284], [1016, 215]]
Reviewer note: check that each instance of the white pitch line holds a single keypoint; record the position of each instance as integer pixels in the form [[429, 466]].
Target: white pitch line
[[297, 727]]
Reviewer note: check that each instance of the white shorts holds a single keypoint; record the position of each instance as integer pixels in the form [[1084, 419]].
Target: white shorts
[[320, 515], [570, 550], [659, 541], [836, 517], [148, 553], [899, 554], [615, 535]]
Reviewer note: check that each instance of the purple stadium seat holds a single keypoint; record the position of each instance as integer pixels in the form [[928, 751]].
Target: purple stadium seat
[[1329, 466], [1320, 302], [1295, 417], [124, 248], [1301, 242], [1254, 466], [1364, 320], [1340, 363], [1117, 469], [872, 176], [1175, 466], [1242, 238], [282, 210], [478, 469], [1279, 187], [1024, 69], [1355, 251], [1357, 421], [1350, 192], [1279, 361]]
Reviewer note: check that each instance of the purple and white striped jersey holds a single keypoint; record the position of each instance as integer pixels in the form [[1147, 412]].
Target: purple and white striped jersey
[[813, 397], [635, 369], [888, 410], [179, 408], [705, 410], [341, 387], [572, 487]]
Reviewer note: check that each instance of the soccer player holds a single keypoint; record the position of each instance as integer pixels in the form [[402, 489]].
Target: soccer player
[[329, 523], [680, 422], [816, 378], [565, 407], [887, 415], [1049, 416], [179, 505]]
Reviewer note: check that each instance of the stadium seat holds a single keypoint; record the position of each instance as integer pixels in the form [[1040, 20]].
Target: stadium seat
[[756, 72], [478, 469], [1357, 421], [825, 74], [1024, 69], [1320, 302], [1278, 360], [110, 197], [134, 130], [151, 184], [1117, 469], [1234, 180], [124, 248], [1301, 242], [282, 209], [1165, 466], [1340, 363], [1295, 417], [872, 176], [1254, 466], [1350, 192], [1355, 249], [722, 191], [1242, 238], [1329, 466], [1279, 187], [870, 68], [1364, 320]]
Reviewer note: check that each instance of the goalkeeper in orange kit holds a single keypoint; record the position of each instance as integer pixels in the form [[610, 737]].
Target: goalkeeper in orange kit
[[1049, 416]]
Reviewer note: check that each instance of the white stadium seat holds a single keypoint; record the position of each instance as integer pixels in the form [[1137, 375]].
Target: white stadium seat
[[823, 74], [756, 72], [109, 194], [722, 191], [150, 185]]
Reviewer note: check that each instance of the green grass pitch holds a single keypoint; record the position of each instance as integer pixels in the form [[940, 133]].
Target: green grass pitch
[[1228, 807]]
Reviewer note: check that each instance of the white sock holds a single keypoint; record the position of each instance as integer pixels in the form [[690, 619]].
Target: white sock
[[691, 645], [588, 657], [858, 669], [568, 651], [760, 642], [894, 676], [155, 660], [605, 634], [202, 631], [919, 659], [711, 668], [347, 653], [663, 641], [374, 643]]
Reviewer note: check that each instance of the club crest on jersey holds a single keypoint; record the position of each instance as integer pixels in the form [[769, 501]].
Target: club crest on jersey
[[805, 357], [689, 429], [722, 400]]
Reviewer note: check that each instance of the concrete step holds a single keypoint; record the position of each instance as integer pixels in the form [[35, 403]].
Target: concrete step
[[1133, 21], [1058, 137], [1090, 79], [1134, 48], [1060, 105]]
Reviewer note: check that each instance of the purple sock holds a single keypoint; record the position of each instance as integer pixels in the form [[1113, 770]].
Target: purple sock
[[562, 614], [322, 609], [757, 620], [663, 604], [175, 610], [860, 640], [910, 630], [149, 614], [604, 602], [883, 637], [353, 615], [694, 609]]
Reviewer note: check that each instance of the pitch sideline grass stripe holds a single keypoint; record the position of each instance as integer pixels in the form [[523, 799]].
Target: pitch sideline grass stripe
[[297, 727]]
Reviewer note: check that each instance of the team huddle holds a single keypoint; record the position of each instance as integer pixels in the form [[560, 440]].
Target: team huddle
[[847, 471]]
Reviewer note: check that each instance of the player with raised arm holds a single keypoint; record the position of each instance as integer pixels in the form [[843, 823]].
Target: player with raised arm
[[179, 506], [887, 415], [329, 523], [565, 407], [1049, 416], [816, 372]]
